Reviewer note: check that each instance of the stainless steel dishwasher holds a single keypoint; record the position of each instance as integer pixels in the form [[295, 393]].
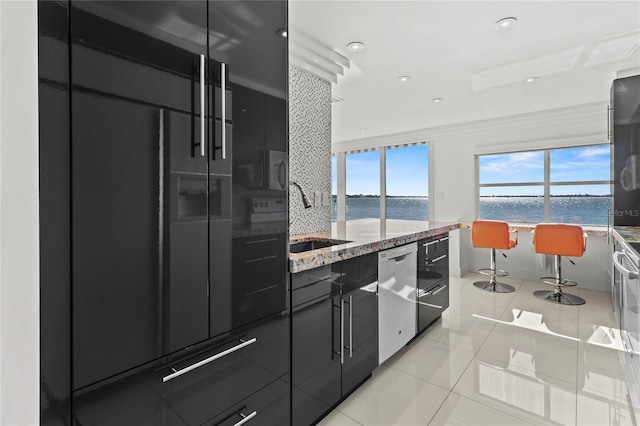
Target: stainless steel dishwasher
[[397, 277]]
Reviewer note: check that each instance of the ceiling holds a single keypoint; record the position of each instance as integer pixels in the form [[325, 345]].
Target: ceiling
[[452, 50]]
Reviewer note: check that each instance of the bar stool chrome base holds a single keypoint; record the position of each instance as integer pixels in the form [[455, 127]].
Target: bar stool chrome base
[[559, 297], [494, 287]]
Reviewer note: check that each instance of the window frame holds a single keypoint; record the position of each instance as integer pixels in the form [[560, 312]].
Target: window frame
[[341, 156], [546, 184]]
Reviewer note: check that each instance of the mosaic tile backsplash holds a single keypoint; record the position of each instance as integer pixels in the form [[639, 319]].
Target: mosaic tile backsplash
[[309, 151]]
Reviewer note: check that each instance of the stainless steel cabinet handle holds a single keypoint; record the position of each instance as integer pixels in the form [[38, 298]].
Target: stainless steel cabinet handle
[[439, 290], [202, 114], [438, 258], [268, 240], [430, 305], [341, 331], [436, 241], [223, 86], [350, 326], [208, 360], [624, 344], [618, 265], [245, 418], [259, 259]]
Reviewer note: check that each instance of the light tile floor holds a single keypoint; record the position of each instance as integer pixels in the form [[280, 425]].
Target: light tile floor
[[501, 359]]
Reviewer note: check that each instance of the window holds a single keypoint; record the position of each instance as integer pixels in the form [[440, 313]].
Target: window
[[407, 183], [404, 173], [567, 185], [363, 185]]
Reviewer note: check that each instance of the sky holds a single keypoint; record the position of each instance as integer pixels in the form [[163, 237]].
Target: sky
[[407, 171], [591, 163]]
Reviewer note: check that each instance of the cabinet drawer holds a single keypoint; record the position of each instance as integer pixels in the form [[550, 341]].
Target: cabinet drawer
[[436, 244], [268, 406], [314, 283], [432, 270], [126, 401], [432, 302], [254, 249], [242, 369], [140, 397]]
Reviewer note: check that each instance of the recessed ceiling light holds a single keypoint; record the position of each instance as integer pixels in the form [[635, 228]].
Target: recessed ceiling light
[[531, 79], [436, 100], [355, 46], [363, 130], [282, 32], [505, 23], [404, 78]]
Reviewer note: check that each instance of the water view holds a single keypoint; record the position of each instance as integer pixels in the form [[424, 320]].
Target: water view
[[586, 210]]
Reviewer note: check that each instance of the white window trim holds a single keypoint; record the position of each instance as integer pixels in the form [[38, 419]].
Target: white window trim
[[546, 184], [341, 196]]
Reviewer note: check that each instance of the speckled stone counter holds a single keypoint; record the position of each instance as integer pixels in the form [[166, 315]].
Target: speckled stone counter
[[594, 231], [628, 234], [364, 236]]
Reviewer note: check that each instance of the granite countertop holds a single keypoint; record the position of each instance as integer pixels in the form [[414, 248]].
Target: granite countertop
[[628, 234], [629, 237], [599, 231], [364, 236]]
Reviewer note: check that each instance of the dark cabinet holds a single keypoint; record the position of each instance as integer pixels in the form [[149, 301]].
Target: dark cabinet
[[248, 368], [359, 295], [139, 193], [433, 279], [624, 125], [334, 334], [259, 263], [155, 256], [55, 227]]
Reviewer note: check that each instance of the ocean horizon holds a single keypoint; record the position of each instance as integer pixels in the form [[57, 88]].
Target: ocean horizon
[[582, 209]]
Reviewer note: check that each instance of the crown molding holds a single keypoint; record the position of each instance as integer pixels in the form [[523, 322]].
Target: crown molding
[[519, 127], [308, 54]]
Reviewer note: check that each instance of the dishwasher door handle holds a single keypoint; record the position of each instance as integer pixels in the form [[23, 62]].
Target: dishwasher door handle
[[632, 275]]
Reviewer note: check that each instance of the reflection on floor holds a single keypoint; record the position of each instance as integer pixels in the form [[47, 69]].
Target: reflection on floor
[[501, 359]]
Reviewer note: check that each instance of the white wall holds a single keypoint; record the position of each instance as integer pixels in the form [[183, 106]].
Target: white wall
[[19, 271], [454, 191]]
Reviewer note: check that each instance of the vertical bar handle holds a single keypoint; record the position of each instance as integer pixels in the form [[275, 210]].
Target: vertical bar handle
[[223, 86], [245, 418], [341, 331], [202, 114], [350, 326]]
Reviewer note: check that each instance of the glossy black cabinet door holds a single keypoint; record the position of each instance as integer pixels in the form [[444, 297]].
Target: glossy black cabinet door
[[315, 347], [334, 334], [259, 289], [140, 189], [55, 244], [251, 65], [359, 295], [433, 280], [625, 128], [247, 368]]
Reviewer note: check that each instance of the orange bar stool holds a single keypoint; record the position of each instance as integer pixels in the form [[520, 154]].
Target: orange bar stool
[[494, 235], [559, 240]]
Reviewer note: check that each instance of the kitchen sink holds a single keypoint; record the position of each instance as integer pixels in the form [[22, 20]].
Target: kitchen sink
[[301, 246]]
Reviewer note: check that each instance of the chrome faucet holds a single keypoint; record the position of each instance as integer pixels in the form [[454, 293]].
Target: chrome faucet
[[305, 199]]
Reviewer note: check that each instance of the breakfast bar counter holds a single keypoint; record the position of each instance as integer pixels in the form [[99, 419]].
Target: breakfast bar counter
[[358, 237]]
